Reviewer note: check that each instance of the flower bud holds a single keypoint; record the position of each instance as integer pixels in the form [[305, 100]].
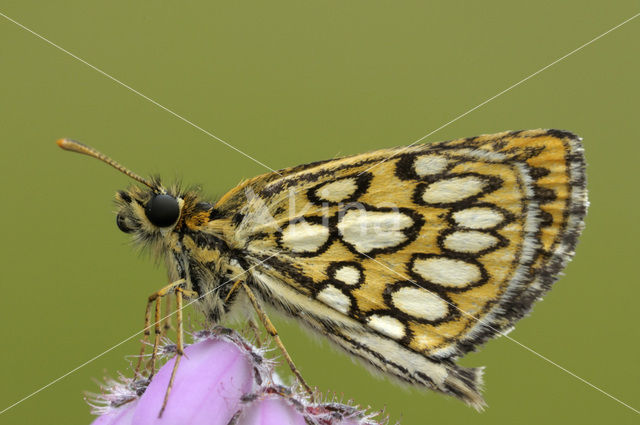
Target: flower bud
[[221, 380]]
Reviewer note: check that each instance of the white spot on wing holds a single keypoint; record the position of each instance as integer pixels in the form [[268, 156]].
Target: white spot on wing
[[369, 230], [387, 325], [337, 191], [304, 237], [420, 303], [348, 274], [333, 297], [452, 190], [478, 218], [430, 164], [447, 271], [469, 241]]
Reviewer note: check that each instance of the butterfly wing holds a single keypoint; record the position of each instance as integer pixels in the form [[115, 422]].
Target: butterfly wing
[[437, 247]]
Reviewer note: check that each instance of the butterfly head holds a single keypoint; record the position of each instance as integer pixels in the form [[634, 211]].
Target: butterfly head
[[150, 213]]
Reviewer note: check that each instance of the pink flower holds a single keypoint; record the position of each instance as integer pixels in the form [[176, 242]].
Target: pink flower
[[222, 380]]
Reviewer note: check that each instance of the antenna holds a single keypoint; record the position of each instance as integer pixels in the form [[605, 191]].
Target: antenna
[[73, 146]]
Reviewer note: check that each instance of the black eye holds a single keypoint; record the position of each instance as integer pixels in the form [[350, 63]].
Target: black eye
[[162, 210], [121, 224]]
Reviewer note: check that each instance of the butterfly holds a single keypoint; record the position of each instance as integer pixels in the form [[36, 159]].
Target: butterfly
[[405, 258]]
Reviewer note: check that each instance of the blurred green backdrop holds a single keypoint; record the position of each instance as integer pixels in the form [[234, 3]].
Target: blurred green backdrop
[[291, 82]]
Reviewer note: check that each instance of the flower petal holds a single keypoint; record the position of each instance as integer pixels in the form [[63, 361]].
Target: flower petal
[[271, 411], [122, 415], [210, 381]]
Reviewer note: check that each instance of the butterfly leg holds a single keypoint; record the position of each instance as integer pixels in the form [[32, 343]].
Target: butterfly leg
[[145, 338], [166, 321], [179, 348], [157, 327], [256, 332], [235, 286], [266, 322], [253, 326]]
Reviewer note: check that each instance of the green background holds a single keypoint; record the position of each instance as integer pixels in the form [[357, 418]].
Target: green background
[[291, 82]]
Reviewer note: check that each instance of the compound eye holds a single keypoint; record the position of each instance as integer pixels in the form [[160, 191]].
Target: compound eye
[[162, 210], [122, 225]]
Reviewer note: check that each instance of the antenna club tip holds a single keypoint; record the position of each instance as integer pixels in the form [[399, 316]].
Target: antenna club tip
[[73, 146], [63, 143]]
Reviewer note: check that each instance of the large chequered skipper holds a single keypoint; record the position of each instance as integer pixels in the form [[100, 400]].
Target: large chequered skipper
[[406, 258]]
